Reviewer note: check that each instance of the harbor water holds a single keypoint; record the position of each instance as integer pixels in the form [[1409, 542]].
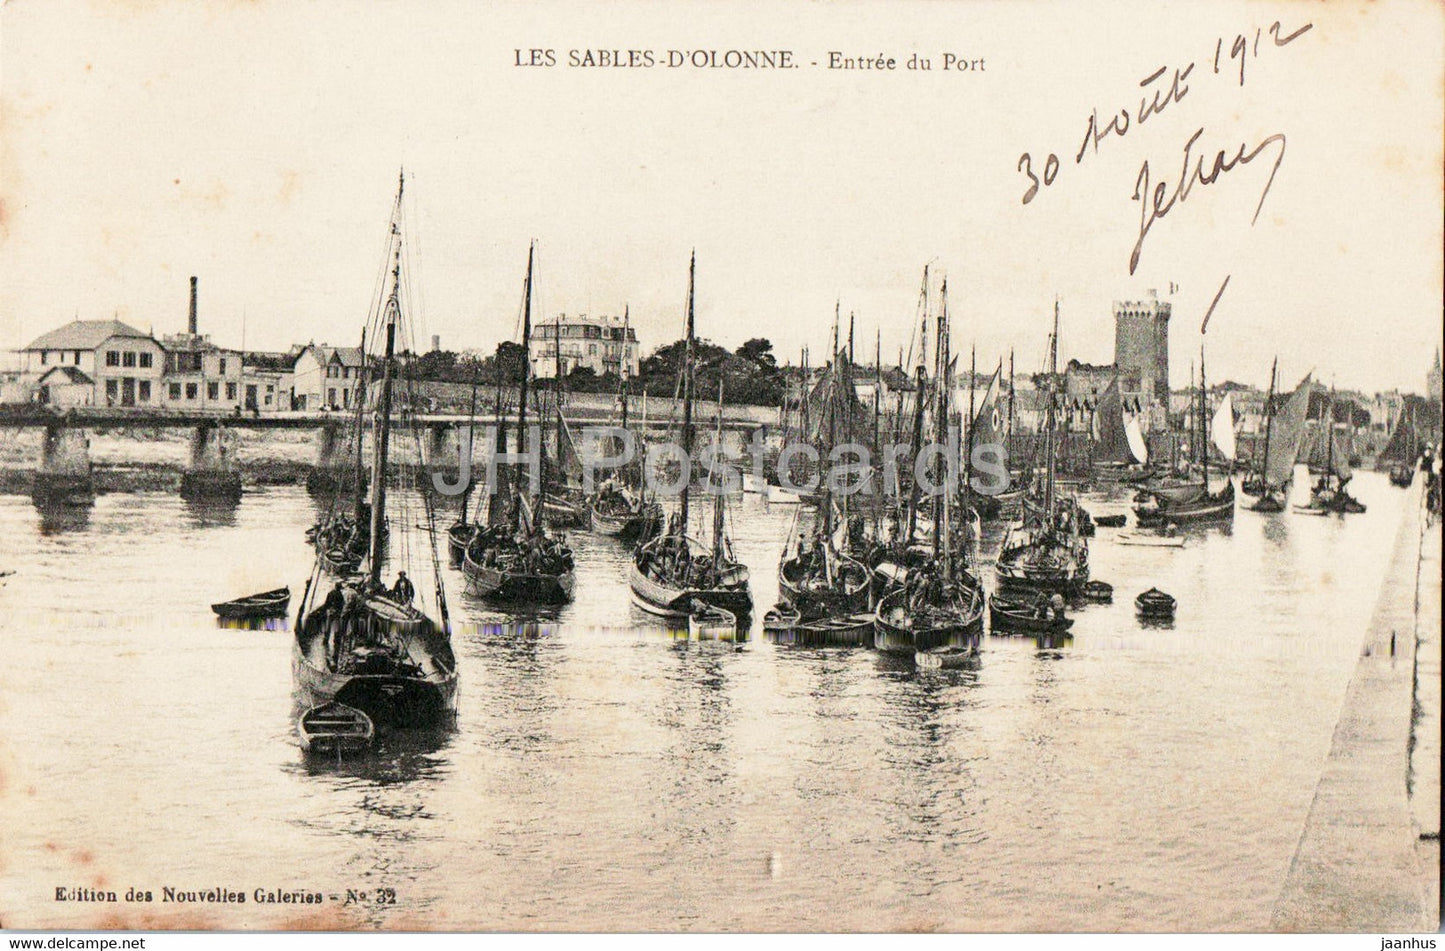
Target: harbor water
[[607, 774]]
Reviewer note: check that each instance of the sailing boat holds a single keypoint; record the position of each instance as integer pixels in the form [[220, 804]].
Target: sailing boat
[[1403, 449], [623, 507], [1045, 549], [514, 559], [1202, 505], [818, 574], [1328, 494], [1119, 442], [1282, 434], [934, 599], [675, 572], [563, 504], [364, 646]]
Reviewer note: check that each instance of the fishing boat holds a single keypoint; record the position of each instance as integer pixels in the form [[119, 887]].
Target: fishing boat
[[1329, 493], [1111, 521], [820, 570], [675, 569], [266, 604], [1100, 592], [935, 598], [623, 507], [932, 613], [708, 622], [363, 645], [1269, 482], [1155, 605], [1045, 549], [1027, 615], [335, 729], [943, 658], [1120, 453], [1206, 505], [515, 559], [1402, 451]]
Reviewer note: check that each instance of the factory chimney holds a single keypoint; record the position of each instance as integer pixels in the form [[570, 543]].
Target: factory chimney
[[192, 325]]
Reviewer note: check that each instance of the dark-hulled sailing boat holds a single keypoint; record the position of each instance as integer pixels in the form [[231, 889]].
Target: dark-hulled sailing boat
[[674, 570], [1329, 494], [934, 598], [1204, 505], [1046, 550], [514, 558], [368, 647], [623, 506], [1283, 430], [819, 573]]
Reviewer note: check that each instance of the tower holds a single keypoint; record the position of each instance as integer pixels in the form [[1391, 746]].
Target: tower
[[1433, 381], [1141, 348]]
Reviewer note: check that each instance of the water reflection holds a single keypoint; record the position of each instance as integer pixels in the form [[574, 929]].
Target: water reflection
[[212, 513], [57, 519]]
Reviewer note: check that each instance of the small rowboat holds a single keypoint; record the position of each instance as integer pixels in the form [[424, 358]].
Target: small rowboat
[[1111, 521], [265, 604], [1026, 615], [1100, 592], [1155, 605], [943, 657], [781, 618], [707, 622], [335, 728], [1150, 541]]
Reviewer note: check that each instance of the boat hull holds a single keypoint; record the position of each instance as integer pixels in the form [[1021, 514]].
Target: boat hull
[[896, 631], [498, 584], [667, 601]]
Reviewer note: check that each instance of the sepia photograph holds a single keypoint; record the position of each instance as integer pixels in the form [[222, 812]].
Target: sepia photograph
[[963, 466]]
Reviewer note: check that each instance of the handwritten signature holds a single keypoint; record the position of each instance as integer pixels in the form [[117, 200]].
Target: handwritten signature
[[1158, 204]]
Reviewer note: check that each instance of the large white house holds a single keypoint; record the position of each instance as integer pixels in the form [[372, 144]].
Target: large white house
[[125, 365], [598, 343]]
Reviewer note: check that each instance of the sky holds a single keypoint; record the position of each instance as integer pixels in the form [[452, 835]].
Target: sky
[[256, 144]]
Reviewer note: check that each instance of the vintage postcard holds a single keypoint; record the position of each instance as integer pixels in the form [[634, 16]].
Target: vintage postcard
[[707, 467]]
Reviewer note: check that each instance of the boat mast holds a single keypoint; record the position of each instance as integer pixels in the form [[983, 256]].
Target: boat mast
[[622, 365], [940, 425], [1049, 421], [687, 386], [920, 394], [1268, 425], [1329, 430], [1008, 440], [383, 428], [360, 477], [1203, 422], [972, 419], [717, 500]]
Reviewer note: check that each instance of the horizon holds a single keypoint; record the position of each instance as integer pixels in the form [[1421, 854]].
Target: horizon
[[267, 168]]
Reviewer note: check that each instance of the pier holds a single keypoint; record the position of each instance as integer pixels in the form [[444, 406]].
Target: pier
[[1364, 861]]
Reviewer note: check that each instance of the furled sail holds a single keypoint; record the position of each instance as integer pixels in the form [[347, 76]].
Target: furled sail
[[1221, 429]]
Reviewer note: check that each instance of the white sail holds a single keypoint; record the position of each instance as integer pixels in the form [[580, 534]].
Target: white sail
[[1221, 429], [1137, 447]]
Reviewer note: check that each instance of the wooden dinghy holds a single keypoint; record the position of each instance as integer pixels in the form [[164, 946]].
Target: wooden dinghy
[[1111, 521], [781, 618], [335, 729], [940, 658], [263, 605], [708, 622], [1155, 605], [1100, 592], [1026, 615]]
